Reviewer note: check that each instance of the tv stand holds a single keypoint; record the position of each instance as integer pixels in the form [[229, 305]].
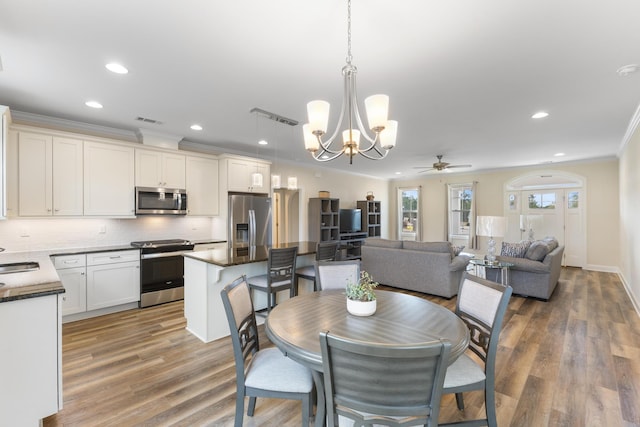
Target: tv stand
[[351, 244]]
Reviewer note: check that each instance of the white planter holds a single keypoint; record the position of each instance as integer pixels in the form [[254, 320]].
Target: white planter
[[361, 308]]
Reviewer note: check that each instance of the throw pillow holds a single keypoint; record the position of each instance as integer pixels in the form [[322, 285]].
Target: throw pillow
[[456, 250], [552, 242], [515, 250], [537, 251]]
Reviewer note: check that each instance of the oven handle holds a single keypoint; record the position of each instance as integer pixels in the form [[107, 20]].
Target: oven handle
[[162, 254]]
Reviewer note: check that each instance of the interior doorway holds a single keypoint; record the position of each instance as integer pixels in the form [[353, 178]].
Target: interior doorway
[[549, 203], [286, 215]]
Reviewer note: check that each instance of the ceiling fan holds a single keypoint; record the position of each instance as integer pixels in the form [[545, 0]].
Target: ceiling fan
[[440, 165]]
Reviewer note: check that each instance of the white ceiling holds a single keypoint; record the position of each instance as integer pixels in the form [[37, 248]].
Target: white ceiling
[[463, 76]]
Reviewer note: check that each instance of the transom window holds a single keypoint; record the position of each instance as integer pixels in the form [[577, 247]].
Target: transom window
[[542, 201]]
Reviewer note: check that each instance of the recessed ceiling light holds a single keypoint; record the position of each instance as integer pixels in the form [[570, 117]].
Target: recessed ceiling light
[[398, 173], [263, 142], [540, 115], [325, 156], [558, 155], [627, 69], [196, 127], [93, 104], [116, 68]]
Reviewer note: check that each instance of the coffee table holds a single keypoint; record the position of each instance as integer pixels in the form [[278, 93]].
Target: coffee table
[[502, 265]]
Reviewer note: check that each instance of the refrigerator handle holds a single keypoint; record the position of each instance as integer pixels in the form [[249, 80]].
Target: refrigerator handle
[[252, 227]]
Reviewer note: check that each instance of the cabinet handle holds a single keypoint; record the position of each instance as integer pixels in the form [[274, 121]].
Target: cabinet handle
[[115, 257], [48, 210], [74, 261], [82, 274]]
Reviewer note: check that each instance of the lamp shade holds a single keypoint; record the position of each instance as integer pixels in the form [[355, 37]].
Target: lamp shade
[[491, 226], [318, 112], [377, 107], [310, 140], [388, 135]]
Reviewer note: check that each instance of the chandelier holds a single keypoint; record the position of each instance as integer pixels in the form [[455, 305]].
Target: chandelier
[[377, 107]]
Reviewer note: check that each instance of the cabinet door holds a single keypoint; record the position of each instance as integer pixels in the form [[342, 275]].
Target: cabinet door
[[173, 170], [108, 179], [112, 284], [239, 175], [148, 168], [202, 186], [74, 280], [35, 193], [67, 176]]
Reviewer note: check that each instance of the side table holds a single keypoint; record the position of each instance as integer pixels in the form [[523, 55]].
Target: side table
[[503, 266]]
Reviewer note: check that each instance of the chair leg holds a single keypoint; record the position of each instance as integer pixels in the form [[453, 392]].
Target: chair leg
[[239, 409], [252, 406], [306, 410], [490, 406], [460, 401]]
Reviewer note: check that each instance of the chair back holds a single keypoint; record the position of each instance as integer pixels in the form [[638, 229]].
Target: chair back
[[337, 274], [238, 307], [281, 264], [327, 251], [481, 305], [383, 381]]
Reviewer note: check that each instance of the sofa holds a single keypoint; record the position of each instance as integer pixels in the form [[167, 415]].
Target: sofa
[[536, 267], [429, 267]]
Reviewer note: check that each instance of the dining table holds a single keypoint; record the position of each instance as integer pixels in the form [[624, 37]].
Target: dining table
[[294, 326]]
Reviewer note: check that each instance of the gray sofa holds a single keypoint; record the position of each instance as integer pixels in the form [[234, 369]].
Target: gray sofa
[[536, 273], [428, 267]]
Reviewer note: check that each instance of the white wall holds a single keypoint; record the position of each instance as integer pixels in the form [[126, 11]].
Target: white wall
[[629, 213], [18, 235], [603, 243]]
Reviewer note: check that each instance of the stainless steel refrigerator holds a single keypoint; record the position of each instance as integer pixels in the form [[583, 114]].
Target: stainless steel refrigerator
[[249, 220]]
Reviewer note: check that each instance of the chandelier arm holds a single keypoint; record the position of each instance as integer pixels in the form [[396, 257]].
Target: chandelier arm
[[318, 156], [363, 131], [381, 154]]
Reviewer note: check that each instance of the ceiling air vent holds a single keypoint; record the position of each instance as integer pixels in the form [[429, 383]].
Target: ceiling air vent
[[147, 120]]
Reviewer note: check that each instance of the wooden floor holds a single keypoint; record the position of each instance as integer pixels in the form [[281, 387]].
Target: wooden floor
[[572, 361]]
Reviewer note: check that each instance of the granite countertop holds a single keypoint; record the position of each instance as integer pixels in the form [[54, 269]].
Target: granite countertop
[[225, 257]]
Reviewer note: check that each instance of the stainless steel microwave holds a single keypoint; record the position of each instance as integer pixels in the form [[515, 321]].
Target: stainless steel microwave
[[161, 201]]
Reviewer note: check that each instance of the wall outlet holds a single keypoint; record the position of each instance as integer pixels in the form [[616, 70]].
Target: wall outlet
[[102, 229], [24, 232]]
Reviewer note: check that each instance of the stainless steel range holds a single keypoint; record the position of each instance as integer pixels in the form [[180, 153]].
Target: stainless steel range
[[161, 270]]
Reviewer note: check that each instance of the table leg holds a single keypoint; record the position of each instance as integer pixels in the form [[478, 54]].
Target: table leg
[[321, 405]]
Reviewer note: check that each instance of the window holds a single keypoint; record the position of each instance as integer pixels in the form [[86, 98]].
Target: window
[[409, 213], [542, 201], [573, 199], [460, 197]]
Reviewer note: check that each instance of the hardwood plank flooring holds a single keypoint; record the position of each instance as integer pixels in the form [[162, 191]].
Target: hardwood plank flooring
[[572, 361]]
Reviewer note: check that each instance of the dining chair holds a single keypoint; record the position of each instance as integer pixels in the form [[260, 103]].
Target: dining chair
[[382, 384], [336, 274], [325, 251], [280, 270], [261, 372], [481, 305]]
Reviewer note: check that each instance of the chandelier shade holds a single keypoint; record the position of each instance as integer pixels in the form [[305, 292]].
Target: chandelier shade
[[384, 131]]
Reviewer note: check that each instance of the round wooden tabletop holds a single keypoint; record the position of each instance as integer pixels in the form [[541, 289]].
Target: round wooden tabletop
[[294, 325]]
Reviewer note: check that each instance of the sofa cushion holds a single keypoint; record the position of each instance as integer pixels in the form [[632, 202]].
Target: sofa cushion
[[455, 250], [516, 250], [552, 242], [537, 251], [442, 247], [384, 243]]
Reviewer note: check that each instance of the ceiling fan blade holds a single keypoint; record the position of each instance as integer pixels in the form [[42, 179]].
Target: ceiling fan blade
[[426, 170], [458, 166]]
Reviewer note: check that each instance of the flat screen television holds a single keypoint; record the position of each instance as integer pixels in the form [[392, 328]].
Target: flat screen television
[[350, 220]]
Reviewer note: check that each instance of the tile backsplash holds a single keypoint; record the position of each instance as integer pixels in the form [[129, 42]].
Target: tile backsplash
[[19, 235]]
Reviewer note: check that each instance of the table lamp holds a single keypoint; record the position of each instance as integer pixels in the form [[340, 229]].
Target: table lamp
[[491, 226]]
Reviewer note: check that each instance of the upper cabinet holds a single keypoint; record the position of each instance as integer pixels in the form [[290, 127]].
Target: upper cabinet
[[108, 179], [4, 132], [202, 186], [159, 169], [49, 175], [248, 175]]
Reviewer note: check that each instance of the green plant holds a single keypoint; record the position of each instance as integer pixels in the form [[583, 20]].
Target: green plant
[[363, 290]]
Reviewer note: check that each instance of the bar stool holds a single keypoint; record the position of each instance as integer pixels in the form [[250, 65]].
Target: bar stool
[[325, 251], [279, 276]]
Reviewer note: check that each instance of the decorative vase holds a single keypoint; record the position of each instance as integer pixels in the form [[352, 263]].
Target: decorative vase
[[361, 308]]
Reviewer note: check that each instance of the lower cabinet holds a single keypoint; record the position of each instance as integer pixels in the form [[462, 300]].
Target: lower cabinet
[[98, 280]]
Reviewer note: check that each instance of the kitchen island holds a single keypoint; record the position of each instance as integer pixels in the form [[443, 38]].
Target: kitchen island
[[207, 272]]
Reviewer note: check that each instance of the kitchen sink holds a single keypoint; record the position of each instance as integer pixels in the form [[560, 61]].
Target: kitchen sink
[[19, 267]]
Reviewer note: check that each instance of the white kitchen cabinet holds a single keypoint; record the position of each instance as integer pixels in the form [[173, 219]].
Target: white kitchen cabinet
[[159, 169], [202, 186], [240, 175], [113, 278], [49, 175], [108, 179], [31, 386], [73, 275], [4, 132]]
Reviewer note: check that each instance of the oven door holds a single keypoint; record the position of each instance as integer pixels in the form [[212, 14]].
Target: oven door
[[161, 271]]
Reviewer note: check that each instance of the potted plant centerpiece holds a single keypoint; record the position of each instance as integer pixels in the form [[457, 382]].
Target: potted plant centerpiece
[[361, 299]]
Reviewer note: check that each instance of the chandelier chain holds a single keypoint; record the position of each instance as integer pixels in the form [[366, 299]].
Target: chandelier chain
[[349, 57]]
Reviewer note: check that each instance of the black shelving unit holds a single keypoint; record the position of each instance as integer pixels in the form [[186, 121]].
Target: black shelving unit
[[371, 217], [324, 219]]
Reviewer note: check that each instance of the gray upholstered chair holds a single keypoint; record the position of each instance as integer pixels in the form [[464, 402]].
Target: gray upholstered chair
[[383, 384], [325, 251], [261, 373], [280, 271], [336, 274], [481, 305]]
